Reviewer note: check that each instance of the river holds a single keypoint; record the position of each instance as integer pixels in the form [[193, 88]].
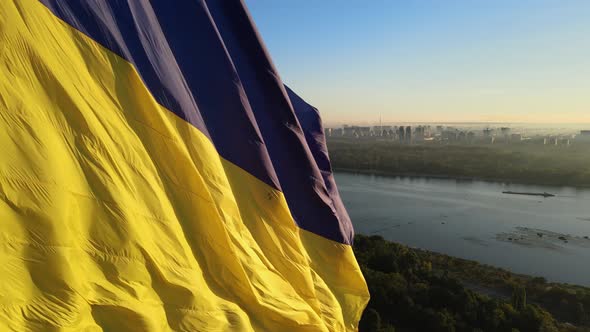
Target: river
[[546, 237]]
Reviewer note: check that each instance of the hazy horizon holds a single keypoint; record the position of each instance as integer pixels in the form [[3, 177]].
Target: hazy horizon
[[495, 61], [532, 129], [489, 123]]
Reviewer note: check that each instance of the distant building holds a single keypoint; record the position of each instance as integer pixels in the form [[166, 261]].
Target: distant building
[[565, 141], [584, 135], [364, 131], [450, 135], [337, 132], [505, 131], [516, 137], [409, 134], [488, 132], [356, 131], [401, 134], [419, 134], [348, 131], [381, 131], [328, 132]]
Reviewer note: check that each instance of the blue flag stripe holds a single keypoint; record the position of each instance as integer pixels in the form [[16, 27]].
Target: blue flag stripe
[[229, 90]]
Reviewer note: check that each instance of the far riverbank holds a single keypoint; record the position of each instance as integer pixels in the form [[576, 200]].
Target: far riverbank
[[453, 177], [508, 163]]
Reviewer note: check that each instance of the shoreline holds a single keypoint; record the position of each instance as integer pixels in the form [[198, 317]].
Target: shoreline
[[454, 177], [499, 283], [490, 284], [492, 268]]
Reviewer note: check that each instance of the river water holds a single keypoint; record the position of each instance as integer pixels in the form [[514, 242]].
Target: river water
[[547, 237]]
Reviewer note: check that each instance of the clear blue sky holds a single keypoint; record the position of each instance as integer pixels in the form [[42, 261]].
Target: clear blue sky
[[433, 60]]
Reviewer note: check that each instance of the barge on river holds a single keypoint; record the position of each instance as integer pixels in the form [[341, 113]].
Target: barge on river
[[545, 194]]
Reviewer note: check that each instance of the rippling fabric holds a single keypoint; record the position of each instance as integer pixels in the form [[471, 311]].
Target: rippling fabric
[[156, 175]]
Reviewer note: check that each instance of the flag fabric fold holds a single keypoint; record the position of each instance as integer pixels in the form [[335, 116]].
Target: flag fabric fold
[[156, 175]]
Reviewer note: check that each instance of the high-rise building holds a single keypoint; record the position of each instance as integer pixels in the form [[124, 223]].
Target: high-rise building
[[401, 134], [419, 133], [348, 131], [365, 131]]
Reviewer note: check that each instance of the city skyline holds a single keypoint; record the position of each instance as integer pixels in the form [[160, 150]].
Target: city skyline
[[457, 61]]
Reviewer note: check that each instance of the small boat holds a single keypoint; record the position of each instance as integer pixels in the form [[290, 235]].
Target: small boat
[[545, 194]]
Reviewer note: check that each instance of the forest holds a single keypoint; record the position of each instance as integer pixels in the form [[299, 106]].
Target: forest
[[415, 290], [520, 163]]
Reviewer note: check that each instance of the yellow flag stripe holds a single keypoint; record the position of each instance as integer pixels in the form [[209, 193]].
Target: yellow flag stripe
[[118, 215]]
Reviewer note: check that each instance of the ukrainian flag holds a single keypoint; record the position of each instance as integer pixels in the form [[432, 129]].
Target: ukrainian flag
[[156, 175]]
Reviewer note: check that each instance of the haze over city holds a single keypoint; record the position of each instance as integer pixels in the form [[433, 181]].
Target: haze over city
[[431, 61]]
